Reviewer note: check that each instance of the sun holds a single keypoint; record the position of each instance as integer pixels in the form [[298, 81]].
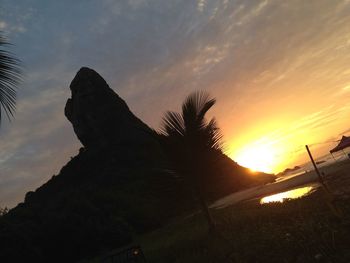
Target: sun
[[257, 158]]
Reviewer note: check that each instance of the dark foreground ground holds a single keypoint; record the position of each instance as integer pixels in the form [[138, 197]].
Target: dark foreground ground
[[301, 230]]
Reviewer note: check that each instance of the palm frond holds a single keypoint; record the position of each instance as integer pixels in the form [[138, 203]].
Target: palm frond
[[173, 124], [191, 125], [205, 105], [10, 77], [194, 109], [214, 136]]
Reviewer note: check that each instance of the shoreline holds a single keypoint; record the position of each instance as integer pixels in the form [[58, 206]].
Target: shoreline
[[266, 190], [336, 176]]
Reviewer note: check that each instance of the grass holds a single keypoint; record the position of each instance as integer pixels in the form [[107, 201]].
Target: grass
[[301, 230]]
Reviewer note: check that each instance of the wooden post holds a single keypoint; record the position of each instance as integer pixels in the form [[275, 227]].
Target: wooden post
[[315, 166], [334, 158], [329, 197]]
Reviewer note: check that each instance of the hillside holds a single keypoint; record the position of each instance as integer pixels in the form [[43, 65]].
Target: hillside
[[121, 182]]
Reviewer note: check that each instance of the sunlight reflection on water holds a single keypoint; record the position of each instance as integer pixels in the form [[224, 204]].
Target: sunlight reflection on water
[[292, 194]]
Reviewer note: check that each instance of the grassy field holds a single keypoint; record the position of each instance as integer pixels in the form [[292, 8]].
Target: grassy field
[[302, 230]]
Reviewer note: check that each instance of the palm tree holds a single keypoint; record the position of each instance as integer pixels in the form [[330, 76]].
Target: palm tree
[[192, 140], [9, 79]]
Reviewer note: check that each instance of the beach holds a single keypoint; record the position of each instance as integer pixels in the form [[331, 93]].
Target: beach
[[335, 175]]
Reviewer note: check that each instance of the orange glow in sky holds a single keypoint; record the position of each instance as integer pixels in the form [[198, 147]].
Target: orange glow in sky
[[257, 158], [273, 147]]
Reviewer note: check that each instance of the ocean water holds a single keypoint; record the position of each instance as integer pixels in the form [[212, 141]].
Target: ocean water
[[298, 192], [321, 162]]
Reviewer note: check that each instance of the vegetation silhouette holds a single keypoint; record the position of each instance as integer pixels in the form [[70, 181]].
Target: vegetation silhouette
[[3, 211], [192, 140], [10, 76], [126, 180]]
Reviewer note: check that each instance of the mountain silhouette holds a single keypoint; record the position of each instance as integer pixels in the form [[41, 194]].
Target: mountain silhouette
[[120, 183]]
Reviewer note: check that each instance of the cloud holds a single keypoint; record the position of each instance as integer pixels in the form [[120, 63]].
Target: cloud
[[3, 25], [35, 145], [263, 60], [311, 123], [201, 5]]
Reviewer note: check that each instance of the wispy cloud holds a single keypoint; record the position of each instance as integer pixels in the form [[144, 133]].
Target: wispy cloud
[[265, 61]]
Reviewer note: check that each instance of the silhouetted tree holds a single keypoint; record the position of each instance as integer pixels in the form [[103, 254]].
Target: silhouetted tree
[[192, 140], [9, 79], [3, 211]]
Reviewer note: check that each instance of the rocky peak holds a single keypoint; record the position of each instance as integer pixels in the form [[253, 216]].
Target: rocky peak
[[100, 117]]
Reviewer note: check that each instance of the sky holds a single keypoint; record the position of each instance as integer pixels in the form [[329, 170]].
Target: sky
[[280, 71]]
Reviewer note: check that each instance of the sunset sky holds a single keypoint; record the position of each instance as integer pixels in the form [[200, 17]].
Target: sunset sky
[[280, 71]]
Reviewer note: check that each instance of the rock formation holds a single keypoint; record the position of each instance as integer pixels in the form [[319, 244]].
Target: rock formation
[[112, 187], [118, 184], [100, 117]]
